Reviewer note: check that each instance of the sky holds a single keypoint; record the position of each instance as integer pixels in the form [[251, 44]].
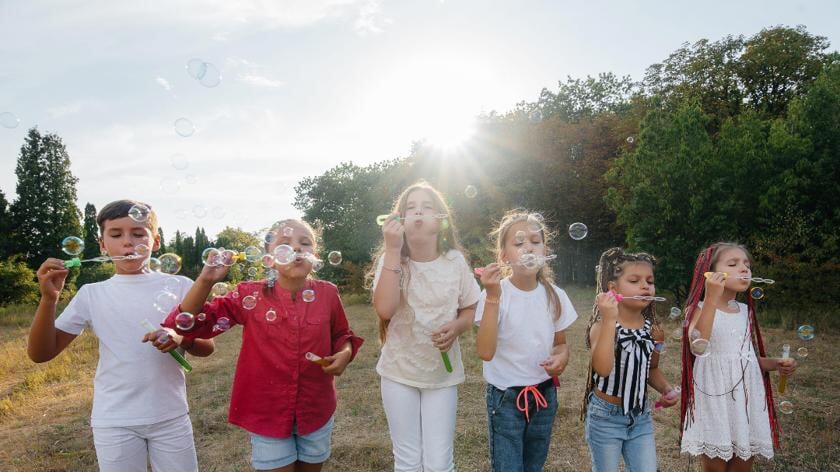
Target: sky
[[307, 84]]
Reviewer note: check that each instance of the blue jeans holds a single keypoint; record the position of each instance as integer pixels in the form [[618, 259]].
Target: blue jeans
[[611, 434], [517, 445]]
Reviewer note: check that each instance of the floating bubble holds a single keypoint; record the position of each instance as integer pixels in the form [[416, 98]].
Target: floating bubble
[[252, 253], [288, 231], [229, 257], [269, 237], [9, 120], [72, 245], [201, 317], [196, 68], [805, 332], [271, 275], [317, 264], [529, 261], [170, 263], [267, 261], [190, 179], [184, 321], [212, 77], [170, 185], [757, 293], [220, 289], [284, 254], [200, 211], [235, 294], [211, 257], [184, 127], [308, 295], [252, 272], [142, 249], [660, 347], [154, 264], [249, 302], [164, 301], [334, 258], [575, 152], [786, 407], [802, 352], [270, 315], [470, 191], [139, 213], [179, 161], [172, 284], [535, 116], [222, 324], [630, 139], [700, 347], [675, 313], [519, 237], [578, 231]]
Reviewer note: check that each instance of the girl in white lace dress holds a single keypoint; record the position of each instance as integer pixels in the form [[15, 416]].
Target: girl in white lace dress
[[425, 294], [728, 415]]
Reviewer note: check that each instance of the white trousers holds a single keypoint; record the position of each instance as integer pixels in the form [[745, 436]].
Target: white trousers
[[168, 444], [421, 422]]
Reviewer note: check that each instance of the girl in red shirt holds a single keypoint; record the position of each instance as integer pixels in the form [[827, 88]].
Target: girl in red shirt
[[285, 401]]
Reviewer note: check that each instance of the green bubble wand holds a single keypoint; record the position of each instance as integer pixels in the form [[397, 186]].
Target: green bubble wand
[[76, 262], [175, 354]]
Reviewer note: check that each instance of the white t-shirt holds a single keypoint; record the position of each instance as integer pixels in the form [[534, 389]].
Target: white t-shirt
[[525, 334], [135, 384], [436, 290]]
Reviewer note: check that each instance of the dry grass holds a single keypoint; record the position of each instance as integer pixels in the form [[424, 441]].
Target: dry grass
[[44, 409]]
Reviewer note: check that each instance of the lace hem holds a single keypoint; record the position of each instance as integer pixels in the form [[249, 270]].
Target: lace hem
[[726, 452]]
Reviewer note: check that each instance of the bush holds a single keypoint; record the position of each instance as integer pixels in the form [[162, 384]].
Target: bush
[[18, 284]]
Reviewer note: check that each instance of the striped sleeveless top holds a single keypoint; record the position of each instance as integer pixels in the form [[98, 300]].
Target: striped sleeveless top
[[629, 377]]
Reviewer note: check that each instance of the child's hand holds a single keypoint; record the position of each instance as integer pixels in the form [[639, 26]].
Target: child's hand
[[668, 400], [786, 366], [445, 336], [213, 274], [51, 276], [393, 231], [607, 305], [714, 286], [163, 339], [337, 362], [555, 365], [491, 278]]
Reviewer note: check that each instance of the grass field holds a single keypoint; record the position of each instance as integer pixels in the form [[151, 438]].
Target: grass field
[[44, 409]]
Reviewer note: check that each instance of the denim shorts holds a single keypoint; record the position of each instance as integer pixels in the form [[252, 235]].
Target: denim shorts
[[611, 435], [272, 453], [517, 444]]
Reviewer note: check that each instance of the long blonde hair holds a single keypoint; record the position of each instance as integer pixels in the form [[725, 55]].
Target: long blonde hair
[[447, 239], [545, 275]]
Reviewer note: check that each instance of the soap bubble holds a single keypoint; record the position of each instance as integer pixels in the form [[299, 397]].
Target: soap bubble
[[179, 161], [519, 237], [222, 324], [470, 191], [201, 317], [139, 213], [200, 211], [308, 295], [164, 301], [252, 272], [9, 120], [229, 257], [184, 127], [184, 321], [284, 254], [535, 116], [805, 332], [270, 315], [802, 352], [271, 275], [334, 257], [196, 68], [660, 347], [72, 245], [211, 257], [155, 264], [757, 293], [170, 263], [206, 73], [220, 289], [675, 313], [786, 407], [700, 347], [141, 249], [288, 231], [630, 139], [578, 231], [249, 302], [253, 253], [267, 261]]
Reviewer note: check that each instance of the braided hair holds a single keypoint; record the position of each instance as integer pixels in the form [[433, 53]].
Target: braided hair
[[610, 268]]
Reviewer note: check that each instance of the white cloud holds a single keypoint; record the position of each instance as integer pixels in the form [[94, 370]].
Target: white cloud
[[163, 83], [72, 108], [369, 15], [257, 80]]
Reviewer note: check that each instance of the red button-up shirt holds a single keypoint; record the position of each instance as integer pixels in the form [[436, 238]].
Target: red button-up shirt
[[274, 385]]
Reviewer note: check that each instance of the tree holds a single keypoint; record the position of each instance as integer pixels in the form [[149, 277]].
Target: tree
[[19, 284], [91, 232], [45, 210], [162, 249], [6, 226]]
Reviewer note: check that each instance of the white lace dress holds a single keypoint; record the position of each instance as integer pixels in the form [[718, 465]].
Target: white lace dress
[[730, 411], [436, 290]]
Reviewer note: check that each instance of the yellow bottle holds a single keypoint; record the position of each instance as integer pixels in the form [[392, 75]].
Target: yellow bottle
[[783, 378]]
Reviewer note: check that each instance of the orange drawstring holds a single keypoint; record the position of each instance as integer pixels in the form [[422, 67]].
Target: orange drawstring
[[523, 395]]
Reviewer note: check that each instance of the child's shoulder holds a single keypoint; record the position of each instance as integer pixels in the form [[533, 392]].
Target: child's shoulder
[[456, 256], [325, 285]]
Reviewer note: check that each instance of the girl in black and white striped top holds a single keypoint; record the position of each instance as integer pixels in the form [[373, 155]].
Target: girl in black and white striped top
[[623, 337]]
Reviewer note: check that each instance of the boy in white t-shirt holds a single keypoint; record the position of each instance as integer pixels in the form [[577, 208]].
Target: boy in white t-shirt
[[140, 408], [521, 321]]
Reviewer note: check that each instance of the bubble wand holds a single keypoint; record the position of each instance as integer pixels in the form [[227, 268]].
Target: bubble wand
[[758, 280], [619, 297], [76, 262], [175, 354]]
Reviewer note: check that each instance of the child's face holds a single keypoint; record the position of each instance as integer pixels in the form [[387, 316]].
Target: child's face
[[421, 214], [636, 279], [523, 237], [121, 237], [302, 241], [735, 262]]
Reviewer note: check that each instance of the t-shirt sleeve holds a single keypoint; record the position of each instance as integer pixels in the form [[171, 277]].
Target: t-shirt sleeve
[[568, 315], [76, 316], [470, 290], [479, 310]]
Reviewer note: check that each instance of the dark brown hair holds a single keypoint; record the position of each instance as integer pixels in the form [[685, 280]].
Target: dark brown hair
[[119, 209]]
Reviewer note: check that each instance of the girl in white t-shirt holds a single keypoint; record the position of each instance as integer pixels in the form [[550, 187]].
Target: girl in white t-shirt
[[425, 295], [521, 319]]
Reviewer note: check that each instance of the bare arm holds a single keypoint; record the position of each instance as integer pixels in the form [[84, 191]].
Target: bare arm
[[45, 341], [704, 321], [386, 294], [488, 329], [602, 335], [656, 378], [560, 354]]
